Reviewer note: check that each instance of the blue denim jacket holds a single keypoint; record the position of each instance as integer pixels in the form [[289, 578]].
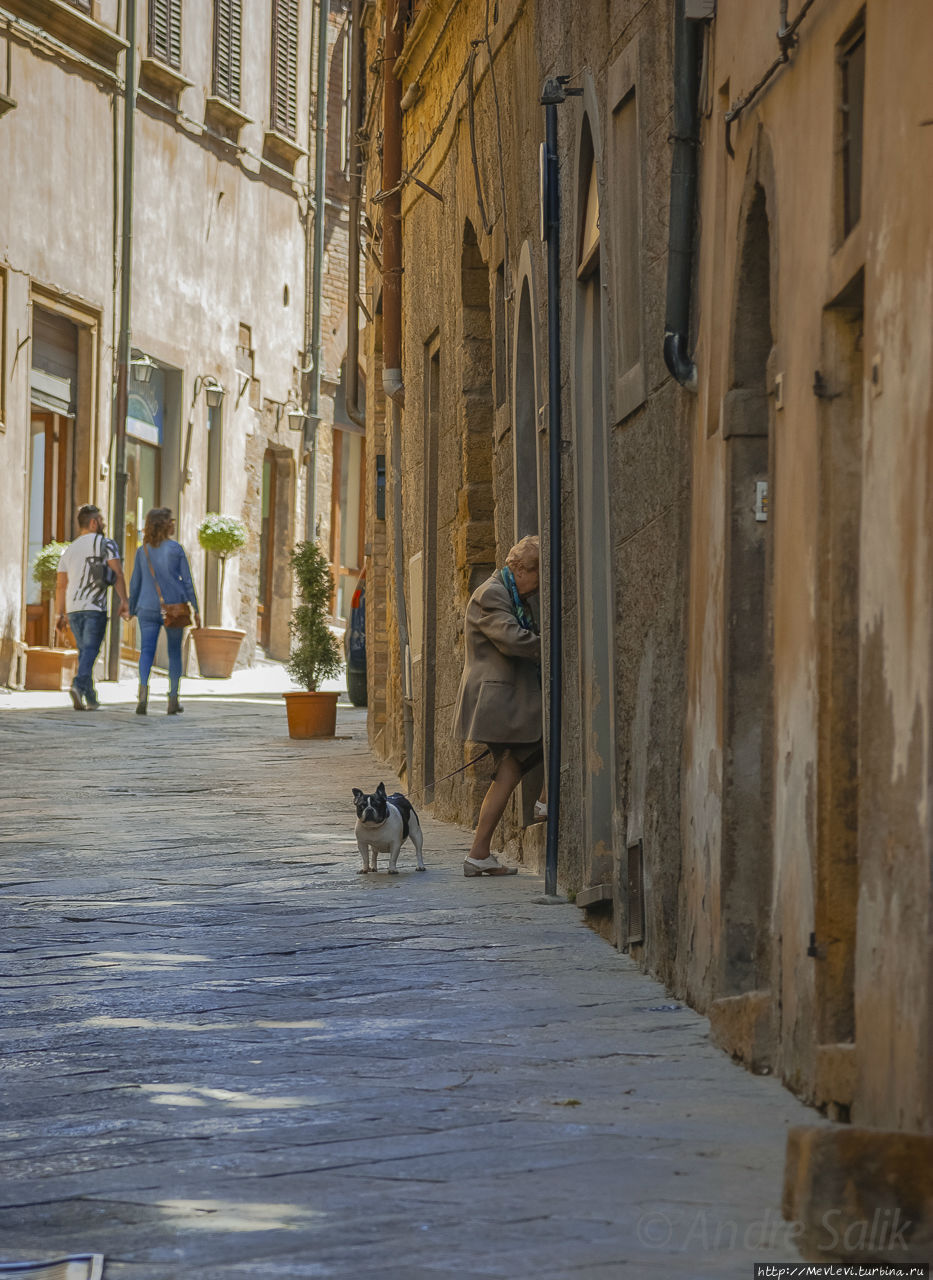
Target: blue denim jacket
[[171, 568]]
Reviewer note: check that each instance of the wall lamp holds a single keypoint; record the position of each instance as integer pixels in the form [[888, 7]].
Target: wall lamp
[[142, 366], [214, 391], [296, 416]]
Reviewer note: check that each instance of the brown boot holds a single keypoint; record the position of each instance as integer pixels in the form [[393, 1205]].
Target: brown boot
[[143, 699], [174, 708]]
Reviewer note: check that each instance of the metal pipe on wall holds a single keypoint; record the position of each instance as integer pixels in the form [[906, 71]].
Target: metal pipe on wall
[[392, 381], [683, 199], [553, 94], [121, 403], [355, 412], [317, 271]]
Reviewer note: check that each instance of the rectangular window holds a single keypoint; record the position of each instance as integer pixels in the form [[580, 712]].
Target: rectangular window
[[227, 28], [165, 31], [285, 67], [851, 58], [625, 231]]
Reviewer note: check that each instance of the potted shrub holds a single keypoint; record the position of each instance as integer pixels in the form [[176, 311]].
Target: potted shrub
[[316, 655], [52, 666], [218, 647]]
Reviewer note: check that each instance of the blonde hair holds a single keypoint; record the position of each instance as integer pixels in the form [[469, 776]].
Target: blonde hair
[[526, 554]]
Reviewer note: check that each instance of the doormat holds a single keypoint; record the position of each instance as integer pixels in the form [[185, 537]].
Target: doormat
[[80, 1266]]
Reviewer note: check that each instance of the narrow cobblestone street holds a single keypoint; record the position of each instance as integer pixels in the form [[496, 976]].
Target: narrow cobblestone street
[[227, 1055]]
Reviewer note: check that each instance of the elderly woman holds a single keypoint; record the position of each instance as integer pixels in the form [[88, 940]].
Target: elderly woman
[[499, 702]]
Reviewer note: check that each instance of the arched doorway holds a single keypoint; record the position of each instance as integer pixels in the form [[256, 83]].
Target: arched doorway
[[595, 614], [746, 860]]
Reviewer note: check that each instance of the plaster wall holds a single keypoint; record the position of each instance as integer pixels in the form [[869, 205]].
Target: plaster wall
[[787, 141]]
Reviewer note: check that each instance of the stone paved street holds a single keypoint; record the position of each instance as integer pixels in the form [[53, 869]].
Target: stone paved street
[[227, 1055]]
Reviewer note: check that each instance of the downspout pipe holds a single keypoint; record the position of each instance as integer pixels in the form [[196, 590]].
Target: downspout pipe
[[121, 403], [682, 224], [317, 270], [553, 94], [355, 412], [392, 382]]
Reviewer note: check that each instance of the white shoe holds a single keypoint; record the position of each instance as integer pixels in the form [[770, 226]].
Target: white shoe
[[487, 867], [540, 811]]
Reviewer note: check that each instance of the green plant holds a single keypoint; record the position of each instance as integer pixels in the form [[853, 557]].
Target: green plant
[[45, 569], [222, 536], [316, 655]]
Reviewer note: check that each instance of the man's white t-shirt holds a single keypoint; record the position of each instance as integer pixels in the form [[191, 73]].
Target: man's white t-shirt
[[84, 593]]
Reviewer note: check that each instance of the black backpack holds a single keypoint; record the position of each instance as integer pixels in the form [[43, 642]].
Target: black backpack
[[98, 569]]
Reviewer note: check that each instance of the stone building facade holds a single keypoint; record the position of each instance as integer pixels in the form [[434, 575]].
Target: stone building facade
[[223, 216], [746, 409]]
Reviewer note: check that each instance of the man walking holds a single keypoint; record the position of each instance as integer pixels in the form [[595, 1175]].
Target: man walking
[[88, 566]]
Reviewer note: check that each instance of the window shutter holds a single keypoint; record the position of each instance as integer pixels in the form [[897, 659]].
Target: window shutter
[[165, 31], [227, 26], [285, 67]]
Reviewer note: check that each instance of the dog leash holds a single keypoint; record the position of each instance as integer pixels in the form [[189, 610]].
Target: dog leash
[[432, 785]]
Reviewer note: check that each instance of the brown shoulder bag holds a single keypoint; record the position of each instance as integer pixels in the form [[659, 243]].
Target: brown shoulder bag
[[173, 615]]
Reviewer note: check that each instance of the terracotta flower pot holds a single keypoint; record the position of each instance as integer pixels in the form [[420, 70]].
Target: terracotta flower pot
[[49, 668], [217, 649], [311, 715]]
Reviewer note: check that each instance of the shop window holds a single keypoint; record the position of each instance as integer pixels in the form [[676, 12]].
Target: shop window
[[227, 34], [165, 31], [285, 67], [851, 86]]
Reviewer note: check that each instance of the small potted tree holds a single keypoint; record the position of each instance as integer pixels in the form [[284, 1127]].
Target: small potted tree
[[218, 647], [50, 667], [316, 655]]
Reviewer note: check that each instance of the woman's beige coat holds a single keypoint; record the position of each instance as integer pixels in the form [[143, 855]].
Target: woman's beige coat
[[500, 692]]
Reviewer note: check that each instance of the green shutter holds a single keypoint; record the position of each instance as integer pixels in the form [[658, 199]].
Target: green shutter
[[285, 67], [165, 31], [227, 28]]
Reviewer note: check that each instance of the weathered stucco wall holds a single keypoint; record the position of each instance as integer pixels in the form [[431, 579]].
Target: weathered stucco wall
[[844, 841]]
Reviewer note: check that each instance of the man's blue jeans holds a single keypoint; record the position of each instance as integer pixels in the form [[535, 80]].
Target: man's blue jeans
[[89, 626], [149, 626]]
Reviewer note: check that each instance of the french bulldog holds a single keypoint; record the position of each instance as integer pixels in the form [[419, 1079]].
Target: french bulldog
[[383, 824]]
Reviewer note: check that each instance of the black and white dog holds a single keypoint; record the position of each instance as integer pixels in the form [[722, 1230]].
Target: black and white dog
[[383, 824]]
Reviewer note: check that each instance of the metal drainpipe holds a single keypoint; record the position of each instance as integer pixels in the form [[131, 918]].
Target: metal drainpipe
[[123, 357], [317, 278], [392, 382], [355, 412], [683, 199], [554, 93]]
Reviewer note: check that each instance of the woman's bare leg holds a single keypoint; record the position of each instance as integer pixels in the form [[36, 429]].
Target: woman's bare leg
[[508, 776]]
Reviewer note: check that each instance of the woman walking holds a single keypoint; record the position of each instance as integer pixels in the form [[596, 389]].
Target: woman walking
[[161, 577]]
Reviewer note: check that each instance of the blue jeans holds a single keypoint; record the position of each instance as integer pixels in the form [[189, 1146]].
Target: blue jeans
[[149, 627], [89, 626]]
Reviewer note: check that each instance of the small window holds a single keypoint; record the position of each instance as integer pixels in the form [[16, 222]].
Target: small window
[[165, 31], [589, 234], [227, 32], [625, 231], [285, 67], [851, 112]]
